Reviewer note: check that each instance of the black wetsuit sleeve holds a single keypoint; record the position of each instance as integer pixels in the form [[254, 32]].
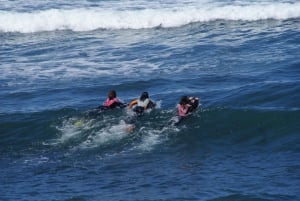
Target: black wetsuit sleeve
[[151, 105]]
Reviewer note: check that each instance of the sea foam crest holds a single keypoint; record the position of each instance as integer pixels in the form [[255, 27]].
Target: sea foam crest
[[92, 19]]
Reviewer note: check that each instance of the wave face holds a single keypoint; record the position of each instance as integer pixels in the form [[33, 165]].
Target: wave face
[[250, 144], [223, 127], [98, 18]]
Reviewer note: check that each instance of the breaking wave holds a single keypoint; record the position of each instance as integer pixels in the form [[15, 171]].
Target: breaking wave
[[89, 19]]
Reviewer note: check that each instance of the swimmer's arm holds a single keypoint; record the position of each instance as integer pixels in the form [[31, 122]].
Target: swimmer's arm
[[132, 103]]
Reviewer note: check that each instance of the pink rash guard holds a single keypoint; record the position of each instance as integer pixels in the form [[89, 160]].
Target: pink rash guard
[[109, 102], [182, 110]]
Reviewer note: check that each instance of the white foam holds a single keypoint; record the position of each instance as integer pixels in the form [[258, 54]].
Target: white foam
[[150, 140], [106, 135], [92, 19], [72, 128]]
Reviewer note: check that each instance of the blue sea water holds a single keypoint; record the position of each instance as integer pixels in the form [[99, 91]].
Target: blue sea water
[[58, 60]]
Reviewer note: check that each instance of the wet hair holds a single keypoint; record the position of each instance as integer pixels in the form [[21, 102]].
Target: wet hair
[[112, 94], [144, 96], [184, 100]]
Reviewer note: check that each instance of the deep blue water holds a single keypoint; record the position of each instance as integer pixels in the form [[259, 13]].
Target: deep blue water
[[59, 60]]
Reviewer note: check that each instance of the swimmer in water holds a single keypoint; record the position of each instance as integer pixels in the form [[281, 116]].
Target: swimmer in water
[[185, 107], [112, 101], [141, 104]]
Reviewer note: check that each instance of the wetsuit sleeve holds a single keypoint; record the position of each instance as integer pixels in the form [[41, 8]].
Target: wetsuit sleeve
[[151, 104]]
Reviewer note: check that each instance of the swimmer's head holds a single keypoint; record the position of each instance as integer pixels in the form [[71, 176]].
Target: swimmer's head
[[184, 100], [144, 96], [112, 94]]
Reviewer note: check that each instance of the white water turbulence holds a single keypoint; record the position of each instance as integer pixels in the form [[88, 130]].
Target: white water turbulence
[[89, 133], [88, 19], [107, 135], [73, 129]]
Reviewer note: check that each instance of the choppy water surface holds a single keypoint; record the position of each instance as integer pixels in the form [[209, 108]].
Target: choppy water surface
[[59, 60]]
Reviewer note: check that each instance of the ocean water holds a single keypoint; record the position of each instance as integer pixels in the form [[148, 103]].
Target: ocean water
[[58, 60]]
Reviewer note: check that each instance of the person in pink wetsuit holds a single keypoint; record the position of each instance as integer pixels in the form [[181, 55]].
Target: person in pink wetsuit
[[185, 107], [112, 101]]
